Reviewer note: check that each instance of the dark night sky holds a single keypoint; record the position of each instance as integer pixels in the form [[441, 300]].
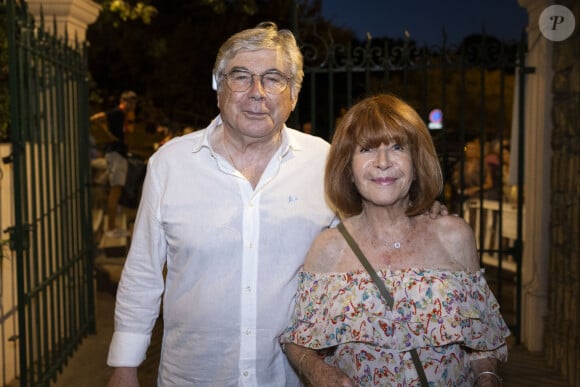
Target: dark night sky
[[424, 19]]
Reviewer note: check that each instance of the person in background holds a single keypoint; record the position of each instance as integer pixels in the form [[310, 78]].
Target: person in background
[[227, 214], [494, 165], [467, 177], [341, 113], [382, 174], [188, 129], [118, 122], [509, 189], [168, 130]]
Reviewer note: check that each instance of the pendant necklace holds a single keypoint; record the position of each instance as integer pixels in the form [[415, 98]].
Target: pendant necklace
[[395, 244], [392, 245]]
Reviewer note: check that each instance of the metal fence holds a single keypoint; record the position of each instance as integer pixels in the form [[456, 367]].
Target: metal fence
[[472, 86], [51, 237]]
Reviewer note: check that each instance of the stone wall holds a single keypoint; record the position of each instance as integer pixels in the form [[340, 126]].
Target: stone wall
[[562, 329]]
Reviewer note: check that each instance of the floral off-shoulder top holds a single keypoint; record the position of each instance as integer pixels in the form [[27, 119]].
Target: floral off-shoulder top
[[450, 317]]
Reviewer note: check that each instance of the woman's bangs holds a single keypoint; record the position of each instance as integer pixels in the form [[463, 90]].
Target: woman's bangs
[[373, 132]]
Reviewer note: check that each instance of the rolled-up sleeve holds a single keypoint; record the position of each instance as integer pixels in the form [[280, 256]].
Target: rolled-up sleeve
[[127, 349]]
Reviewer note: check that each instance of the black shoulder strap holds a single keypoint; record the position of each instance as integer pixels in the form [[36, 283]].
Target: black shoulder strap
[[385, 293]]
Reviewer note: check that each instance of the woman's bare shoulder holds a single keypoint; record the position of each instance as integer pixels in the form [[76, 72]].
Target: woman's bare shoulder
[[452, 224], [458, 238], [324, 251]]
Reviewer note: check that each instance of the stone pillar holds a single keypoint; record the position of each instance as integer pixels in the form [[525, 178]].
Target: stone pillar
[[562, 330], [72, 15], [537, 161]]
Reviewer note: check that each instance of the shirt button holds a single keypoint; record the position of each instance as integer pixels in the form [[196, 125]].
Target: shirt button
[[248, 332], [245, 373], [248, 289]]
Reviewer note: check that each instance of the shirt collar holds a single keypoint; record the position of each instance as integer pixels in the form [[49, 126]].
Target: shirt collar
[[289, 141], [204, 141]]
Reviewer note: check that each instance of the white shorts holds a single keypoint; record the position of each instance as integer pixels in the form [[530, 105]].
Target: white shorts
[[117, 167]]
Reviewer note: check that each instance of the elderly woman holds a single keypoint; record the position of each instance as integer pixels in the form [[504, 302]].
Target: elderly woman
[[382, 174]]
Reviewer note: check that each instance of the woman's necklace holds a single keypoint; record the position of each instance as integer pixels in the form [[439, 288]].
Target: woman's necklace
[[386, 244], [393, 244]]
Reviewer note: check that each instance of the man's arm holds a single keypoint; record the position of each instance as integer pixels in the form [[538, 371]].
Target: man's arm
[[100, 129], [140, 289]]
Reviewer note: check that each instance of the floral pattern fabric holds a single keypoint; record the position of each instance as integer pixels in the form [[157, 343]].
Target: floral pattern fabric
[[450, 317]]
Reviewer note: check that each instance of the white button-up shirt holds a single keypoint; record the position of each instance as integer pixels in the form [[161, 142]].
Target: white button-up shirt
[[232, 255]]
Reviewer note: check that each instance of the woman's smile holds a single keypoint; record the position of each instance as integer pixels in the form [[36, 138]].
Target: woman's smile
[[384, 180]]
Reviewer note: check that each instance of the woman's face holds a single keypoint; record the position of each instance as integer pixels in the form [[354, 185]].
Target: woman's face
[[383, 175], [255, 113]]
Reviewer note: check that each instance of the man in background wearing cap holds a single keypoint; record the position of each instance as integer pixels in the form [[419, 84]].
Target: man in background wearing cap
[[117, 122]]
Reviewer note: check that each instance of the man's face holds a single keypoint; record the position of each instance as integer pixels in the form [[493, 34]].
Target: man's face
[[255, 113]]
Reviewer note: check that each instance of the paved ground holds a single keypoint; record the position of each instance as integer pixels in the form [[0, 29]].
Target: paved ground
[[88, 366]]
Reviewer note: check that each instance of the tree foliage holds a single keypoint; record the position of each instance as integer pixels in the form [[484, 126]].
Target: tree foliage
[[127, 11]]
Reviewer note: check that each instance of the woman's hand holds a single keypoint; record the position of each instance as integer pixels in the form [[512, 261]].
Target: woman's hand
[[314, 370]]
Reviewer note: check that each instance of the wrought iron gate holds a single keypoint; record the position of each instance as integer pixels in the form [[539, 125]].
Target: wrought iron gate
[[51, 239], [472, 85]]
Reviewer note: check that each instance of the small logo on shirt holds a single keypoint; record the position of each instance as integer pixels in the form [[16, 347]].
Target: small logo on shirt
[[292, 198]]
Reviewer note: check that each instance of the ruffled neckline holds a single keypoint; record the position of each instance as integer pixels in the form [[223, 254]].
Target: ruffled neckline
[[390, 272], [432, 307]]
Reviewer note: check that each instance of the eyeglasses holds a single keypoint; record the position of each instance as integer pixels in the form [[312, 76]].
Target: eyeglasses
[[273, 82]]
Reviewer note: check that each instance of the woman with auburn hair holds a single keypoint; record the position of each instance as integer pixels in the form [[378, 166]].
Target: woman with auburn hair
[[436, 320]]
